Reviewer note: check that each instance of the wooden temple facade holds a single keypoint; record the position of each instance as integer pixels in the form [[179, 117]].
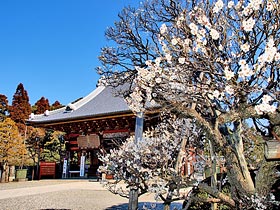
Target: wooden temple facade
[[95, 123]]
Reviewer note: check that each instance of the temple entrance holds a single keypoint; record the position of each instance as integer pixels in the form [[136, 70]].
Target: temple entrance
[[83, 150]]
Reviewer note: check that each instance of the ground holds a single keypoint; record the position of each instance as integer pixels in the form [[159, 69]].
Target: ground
[[65, 194]]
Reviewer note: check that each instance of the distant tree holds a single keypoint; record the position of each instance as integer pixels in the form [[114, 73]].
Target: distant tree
[[33, 144], [52, 146], [12, 147], [42, 105], [56, 105], [3, 107], [20, 108]]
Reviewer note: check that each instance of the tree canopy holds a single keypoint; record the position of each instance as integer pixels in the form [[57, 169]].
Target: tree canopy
[[4, 107], [41, 106], [20, 108], [12, 147], [214, 61]]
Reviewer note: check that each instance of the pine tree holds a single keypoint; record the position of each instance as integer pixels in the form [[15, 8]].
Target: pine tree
[[21, 108]]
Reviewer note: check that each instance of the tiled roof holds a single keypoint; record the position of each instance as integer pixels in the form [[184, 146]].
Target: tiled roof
[[102, 101]]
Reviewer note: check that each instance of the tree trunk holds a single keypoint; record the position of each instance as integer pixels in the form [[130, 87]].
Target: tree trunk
[[265, 177], [133, 199], [239, 173], [4, 176], [214, 170], [181, 154]]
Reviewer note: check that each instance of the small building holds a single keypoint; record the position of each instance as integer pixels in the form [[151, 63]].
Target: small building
[[96, 123]]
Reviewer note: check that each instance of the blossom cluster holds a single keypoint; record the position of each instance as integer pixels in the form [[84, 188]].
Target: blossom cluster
[[152, 161], [265, 106], [261, 202], [214, 59], [206, 57]]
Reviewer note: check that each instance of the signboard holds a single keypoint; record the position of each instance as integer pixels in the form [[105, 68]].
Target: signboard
[[64, 171], [47, 169], [88, 141], [82, 166]]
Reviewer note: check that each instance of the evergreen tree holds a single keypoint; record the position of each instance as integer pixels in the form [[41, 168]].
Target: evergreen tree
[[42, 105], [3, 107], [56, 105], [52, 146], [21, 108]]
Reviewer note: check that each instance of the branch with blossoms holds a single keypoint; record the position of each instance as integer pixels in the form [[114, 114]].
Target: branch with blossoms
[[214, 61], [154, 164], [219, 63]]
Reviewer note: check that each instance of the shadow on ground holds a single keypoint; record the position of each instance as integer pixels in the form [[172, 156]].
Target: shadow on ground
[[146, 206]]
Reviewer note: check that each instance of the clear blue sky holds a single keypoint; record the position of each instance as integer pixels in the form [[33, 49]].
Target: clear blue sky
[[51, 46]]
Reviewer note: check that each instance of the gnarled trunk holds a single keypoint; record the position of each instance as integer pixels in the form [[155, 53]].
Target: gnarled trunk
[[265, 177], [239, 174]]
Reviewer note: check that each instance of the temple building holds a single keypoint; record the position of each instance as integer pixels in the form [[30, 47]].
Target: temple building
[[98, 122]]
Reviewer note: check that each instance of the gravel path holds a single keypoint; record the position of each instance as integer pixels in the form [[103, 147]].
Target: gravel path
[[63, 194]]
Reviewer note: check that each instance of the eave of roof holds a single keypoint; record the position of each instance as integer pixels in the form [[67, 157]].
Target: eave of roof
[[101, 102]]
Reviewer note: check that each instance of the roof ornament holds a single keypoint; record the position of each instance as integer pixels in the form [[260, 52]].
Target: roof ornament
[[31, 116], [70, 107], [47, 113]]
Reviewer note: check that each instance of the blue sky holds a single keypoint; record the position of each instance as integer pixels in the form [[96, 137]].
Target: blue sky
[[51, 46]]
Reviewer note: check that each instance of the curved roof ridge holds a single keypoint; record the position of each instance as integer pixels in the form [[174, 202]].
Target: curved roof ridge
[[77, 104], [89, 97]]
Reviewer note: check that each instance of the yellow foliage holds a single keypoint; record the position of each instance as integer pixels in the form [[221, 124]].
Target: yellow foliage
[[12, 146]]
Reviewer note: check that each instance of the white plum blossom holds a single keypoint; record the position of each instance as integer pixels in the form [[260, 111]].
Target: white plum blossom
[[255, 4], [158, 80], [245, 47], [230, 4], [245, 71], [194, 28], [277, 56], [168, 58], [148, 63], [270, 51], [174, 41], [265, 106], [187, 43], [218, 6], [248, 25], [270, 5], [247, 11], [163, 29], [214, 34], [266, 99], [229, 90], [181, 60], [229, 74], [157, 61], [242, 62]]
